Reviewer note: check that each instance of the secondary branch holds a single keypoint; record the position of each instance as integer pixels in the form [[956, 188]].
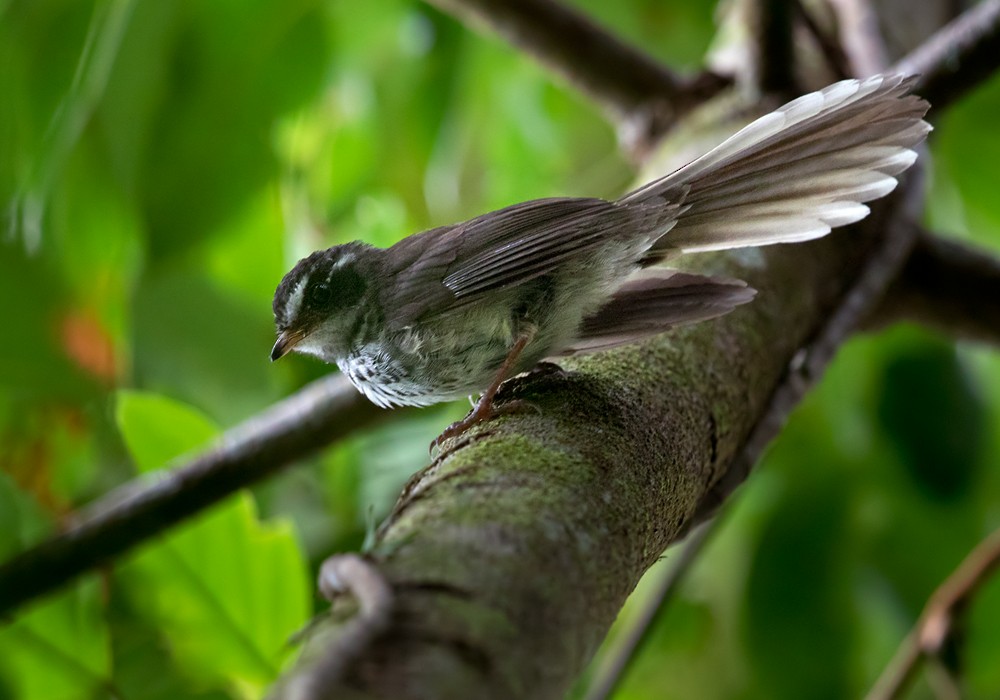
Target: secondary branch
[[958, 57], [937, 623], [319, 414], [772, 48], [637, 91], [947, 285]]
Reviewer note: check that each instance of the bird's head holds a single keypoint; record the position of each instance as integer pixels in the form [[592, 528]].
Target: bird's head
[[320, 303]]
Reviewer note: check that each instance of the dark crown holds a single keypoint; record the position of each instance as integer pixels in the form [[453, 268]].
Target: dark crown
[[328, 282]]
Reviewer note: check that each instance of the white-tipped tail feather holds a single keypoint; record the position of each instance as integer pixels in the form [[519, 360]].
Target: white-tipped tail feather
[[795, 173]]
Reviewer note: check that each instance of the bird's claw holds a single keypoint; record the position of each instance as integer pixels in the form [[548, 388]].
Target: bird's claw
[[480, 414]]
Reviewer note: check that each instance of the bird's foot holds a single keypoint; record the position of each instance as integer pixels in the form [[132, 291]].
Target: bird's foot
[[483, 411], [485, 408], [546, 369]]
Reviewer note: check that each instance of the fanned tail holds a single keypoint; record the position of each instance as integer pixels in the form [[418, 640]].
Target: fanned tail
[[795, 173]]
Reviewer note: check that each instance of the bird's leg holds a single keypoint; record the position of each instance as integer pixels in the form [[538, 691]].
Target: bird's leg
[[484, 408]]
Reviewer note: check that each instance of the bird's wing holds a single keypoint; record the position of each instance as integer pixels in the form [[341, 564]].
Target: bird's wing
[[527, 240], [440, 270]]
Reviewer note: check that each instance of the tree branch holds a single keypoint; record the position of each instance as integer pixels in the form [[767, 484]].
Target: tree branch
[[639, 93], [319, 414], [352, 575], [949, 286], [772, 54], [937, 621], [829, 46], [958, 57], [860, 37]]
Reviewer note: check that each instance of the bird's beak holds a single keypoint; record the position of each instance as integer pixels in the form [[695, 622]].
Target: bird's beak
[[287, 340]]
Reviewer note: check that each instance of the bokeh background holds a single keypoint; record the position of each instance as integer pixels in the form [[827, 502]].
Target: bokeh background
[[164, 162]]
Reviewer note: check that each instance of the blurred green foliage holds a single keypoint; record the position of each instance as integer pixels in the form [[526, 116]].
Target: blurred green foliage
[[163, 163]]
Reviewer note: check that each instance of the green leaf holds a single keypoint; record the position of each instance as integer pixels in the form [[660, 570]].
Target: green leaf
[[227, 590], [59, 649], [983, 641], [21, 520], [157, 429], [204, 345], [797, 604], [924, 381], [967, 149]]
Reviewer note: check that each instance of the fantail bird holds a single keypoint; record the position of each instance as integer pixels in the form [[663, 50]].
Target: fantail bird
[[458, 309]]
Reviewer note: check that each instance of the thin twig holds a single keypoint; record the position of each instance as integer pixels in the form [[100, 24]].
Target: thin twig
[[630, 85], [937, 621], [860, 37], [958, 57], [943, 681], [829, 46], [356, 576], [947, 285], [319, 414], [619, 659]]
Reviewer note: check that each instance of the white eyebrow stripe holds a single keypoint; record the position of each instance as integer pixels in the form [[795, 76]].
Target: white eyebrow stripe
[[295, 300], [294, 303], [344, 259]]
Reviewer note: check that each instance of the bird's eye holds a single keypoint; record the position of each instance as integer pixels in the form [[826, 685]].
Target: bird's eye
[[320, 295], [350, 286]]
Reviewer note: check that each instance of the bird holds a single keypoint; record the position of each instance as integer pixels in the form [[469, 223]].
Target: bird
[[456, 310]]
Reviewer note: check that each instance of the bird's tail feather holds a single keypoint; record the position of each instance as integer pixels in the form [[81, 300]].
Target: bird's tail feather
[[795, 173], [655, 300]]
